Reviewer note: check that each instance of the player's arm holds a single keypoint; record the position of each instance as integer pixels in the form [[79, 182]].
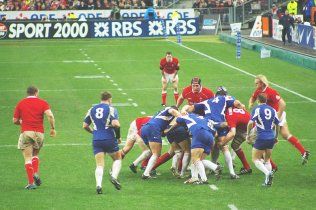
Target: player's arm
[[180, 101], [239, 105], [282, 106], [51, 119], [173, 125], [230, 136], [176, 73], [174, 112], [16, 121], [187, 108], [249, 127], [161, 70], [86, 126], [251, 102]]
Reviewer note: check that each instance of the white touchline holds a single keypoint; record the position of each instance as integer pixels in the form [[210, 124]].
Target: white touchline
[[143, 113], [243, 71], [232, 207], [213, 187]]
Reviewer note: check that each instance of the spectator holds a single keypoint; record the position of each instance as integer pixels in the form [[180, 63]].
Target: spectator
[[2, 6], [90, 5], [98, 5], [287, 21], [106, 4], [150, 14], [115, 13], [313, 11], [292, 7], [128, 4], [121, 4], [308, 4], [135, 4]]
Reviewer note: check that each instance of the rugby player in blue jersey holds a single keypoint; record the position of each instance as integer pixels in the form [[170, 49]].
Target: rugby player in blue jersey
[[265, 119], [106, 134], [202, 141], [151, 134], [214, 110]]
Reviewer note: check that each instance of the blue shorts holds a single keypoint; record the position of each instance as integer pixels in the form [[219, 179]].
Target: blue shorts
[[150, 133], [106, 146], [178, 135], [203, 139], [263, 144], [222, 132]]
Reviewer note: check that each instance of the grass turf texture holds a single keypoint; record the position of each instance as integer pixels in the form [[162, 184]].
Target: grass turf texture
[[68, 171]]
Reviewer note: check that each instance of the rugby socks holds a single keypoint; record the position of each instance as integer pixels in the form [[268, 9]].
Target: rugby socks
[[209, 165], [150, 165], [215, 154], [297, 144], [164, 98], [162, 159], [274, 166], [175, 159], [98, 176], [142, 157], [194, 172], [241, 155], [180, 161], [229, 162], [35, 164], [201, 170], [176, 96], [116, 167], [261, 167], [185, 163], [29, 171], [145, 162], [268, 166]]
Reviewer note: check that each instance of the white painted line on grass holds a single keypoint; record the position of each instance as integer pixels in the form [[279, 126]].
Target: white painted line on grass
[[78, 61], [115, 84], [99, 68], [130, 99], [232, 207], [107, 76], [95, 64], [143, 113], [213, 187], [111, 80], [103, 72], [135, 104], [243, 71], [88, 57], [124, 93], [119, 89], [89, 77]]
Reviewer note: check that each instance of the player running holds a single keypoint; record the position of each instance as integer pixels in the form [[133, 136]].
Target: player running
[[106, 134], [169, 67], [151, 134], [276, 101], [265, 118]]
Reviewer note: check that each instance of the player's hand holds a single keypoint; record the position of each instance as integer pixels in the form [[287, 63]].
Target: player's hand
[[52, 132], [174, 79]]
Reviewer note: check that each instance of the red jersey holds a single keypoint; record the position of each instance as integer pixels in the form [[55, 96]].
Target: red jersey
[[169, 67], [273, 97], [31, 111], [237, 118], [140, 121], [198, 97]]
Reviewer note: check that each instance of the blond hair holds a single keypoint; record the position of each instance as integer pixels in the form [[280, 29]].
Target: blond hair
[[263, 79]]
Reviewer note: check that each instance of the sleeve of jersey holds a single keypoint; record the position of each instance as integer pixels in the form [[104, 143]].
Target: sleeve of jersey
[[255, 95], [45, 106], [276, 119], [254, 115], [275, 96], [199, 107], [230, 101], [161, 65], [17, 112], [87, 119], [178, 65], [180, 121], [114, 113]]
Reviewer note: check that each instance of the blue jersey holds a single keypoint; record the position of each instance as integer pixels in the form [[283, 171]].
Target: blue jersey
[[265, 117], [101, 116], [162, 119], [214, 108], [194, 123]]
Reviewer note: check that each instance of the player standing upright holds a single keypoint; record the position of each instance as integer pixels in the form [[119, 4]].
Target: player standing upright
[[29, 113], [169, 67], [276, 101], [265, 118], [106, 134]]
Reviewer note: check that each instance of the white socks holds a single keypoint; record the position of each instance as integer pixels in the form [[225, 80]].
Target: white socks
[[229, 162], [142, 157], [150, 164], [116, 167], [201, 170], [175, 159], [194, 172], [209, 165], [261, 167], [185, 163], [99, 175], [268, 166]]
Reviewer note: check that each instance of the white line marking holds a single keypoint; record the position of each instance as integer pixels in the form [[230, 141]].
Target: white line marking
[[232, 207], [130, 99], [119, 89], [213, 187], [111, 80], [122, 104], [134, 104], [78, 61], [99, 68], [89, 77], [95, 64], [243, 71], [124, 93], [143, 113], [115, 84], [88, 57], [85, 54], [107, 76], [103, 72]]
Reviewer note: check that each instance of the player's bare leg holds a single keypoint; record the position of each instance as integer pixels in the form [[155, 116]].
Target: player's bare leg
[[185, 147], [27, 154], [236, 146], [144, 155], [196, 157], [229, 162], [285, 133], [99, 160], [116, 168], [164, 84], [155, 148], [127, 147], [175, 83]]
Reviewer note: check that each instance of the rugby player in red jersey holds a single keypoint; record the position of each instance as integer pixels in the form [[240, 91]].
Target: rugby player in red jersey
[[194, 93], [29, 114], [276, 101], [169, 67], [237, 121], [133, 136]]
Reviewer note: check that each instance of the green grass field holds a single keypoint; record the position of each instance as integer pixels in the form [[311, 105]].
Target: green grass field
[[60, 68]]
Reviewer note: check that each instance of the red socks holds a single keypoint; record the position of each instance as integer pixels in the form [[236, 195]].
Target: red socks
[[176, 96], [29, 172], [145, 162], [274, 166], [164, 98], [162, 159], [35, 164], [240, 153], [297, 144]]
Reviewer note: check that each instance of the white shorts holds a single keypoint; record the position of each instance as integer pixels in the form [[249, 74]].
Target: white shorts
[[132, 134], [283, 119], [169, 77]]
